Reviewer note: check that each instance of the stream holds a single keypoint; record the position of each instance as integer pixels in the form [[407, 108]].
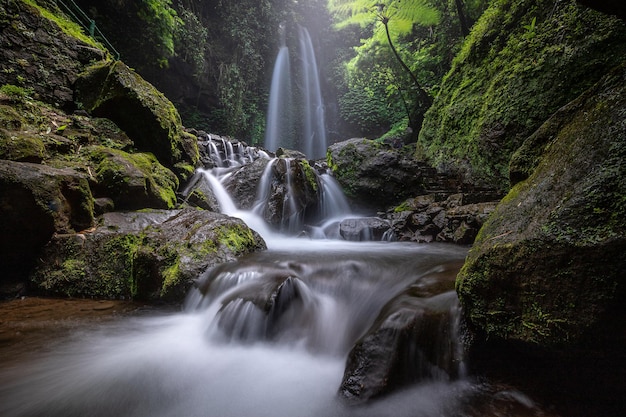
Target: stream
[[214, 361]]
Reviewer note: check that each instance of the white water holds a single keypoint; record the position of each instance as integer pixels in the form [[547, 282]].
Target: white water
[[181, 365], [314, 129], [278, 126]]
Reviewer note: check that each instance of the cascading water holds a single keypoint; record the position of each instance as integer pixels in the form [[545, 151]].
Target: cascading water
[[302, 329]]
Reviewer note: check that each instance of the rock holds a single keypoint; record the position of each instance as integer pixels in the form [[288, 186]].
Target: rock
[[151, 255], [375, 174], [363, 229], [413, 338], [35, 202], [426, 218], [133, 181], [114, 91], [36, 54], [198, 193], [243, 185], [548, 266]]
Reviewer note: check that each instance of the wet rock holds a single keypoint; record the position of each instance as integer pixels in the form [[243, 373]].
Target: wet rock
[[427, 218], [243, 185], [35, 202], [376, 174], [144, 255], [363, 229], [112, 90], [198, 193], [412, 339], [255, 311]]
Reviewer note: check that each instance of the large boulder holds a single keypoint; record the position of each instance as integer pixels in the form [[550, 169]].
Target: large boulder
[[133, 181], [114, 91], [523, 60], [547, 268], [35, 202], [376, 174], [153, 255], [414, 338]]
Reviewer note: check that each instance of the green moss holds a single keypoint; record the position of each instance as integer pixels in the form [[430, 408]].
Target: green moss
[[504, 83], [238, 239], [309, 173], [67, 26], [15, 93]]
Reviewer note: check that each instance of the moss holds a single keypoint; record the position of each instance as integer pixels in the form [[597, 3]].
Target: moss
[[311, 177], [21, 148], [239, 239], [504, 83], [67, 26]]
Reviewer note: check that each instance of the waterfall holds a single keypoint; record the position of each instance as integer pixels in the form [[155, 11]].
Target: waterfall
[[314, 129], [279, 128]]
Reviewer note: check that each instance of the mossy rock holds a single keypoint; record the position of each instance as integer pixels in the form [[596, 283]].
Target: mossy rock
[[133, 181], [547, 268], [152, 255], [523, 60], [37, 201], [374, 173], [43, 51], [22, 147], [114, 91]]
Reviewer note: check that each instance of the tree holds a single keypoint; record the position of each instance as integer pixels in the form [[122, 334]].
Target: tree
[[391, 20]]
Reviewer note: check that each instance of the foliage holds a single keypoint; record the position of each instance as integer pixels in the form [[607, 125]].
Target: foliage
[[162, 22], [14, 92], [400, 49], [191, 41]]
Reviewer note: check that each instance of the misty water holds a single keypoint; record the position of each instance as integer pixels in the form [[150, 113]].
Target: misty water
[[186, 364]]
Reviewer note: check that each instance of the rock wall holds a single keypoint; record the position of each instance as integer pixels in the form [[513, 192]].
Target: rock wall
[[545, 277], [523, 60]]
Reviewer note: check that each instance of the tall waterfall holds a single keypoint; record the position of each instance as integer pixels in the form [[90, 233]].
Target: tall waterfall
[[314, 130], [279, 129]]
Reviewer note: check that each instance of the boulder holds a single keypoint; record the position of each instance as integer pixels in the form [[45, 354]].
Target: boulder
[[114, 91], [363, 228], [151, 255], [414, 337], [35, 202], [133, 181], [376, 174], [547, 268]]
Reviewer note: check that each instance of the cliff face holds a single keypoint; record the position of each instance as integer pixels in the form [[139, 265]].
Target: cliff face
[[523, 60]]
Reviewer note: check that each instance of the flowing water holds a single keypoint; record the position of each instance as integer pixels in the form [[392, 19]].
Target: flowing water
[[280, 130], [269, 334]]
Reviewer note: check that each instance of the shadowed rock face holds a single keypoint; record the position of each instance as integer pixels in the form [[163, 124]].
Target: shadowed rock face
[[548, 266], [36, 201]]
